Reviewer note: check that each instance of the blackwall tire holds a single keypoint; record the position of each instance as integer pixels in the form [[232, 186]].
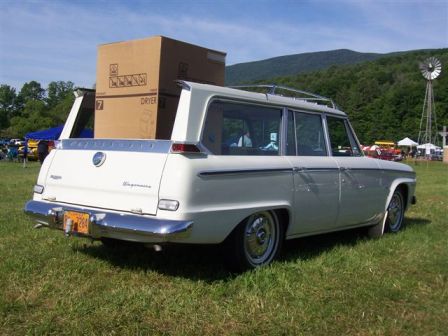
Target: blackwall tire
[[395, 212], [256, 242]]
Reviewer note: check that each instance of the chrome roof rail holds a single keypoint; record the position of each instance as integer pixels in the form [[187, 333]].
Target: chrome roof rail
[[273, 88]]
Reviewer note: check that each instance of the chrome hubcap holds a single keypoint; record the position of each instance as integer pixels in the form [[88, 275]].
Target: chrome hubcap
[[395, 212], [261, 237]]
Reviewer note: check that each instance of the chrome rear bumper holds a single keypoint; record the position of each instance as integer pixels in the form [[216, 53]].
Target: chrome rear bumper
[[112, 225]]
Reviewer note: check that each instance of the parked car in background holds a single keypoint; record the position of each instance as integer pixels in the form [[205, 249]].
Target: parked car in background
[[378, 152], [16, 142], [31, 148], [243, 169], [436, 156]]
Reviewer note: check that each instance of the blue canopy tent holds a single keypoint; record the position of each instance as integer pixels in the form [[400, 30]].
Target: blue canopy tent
[[54, 134]]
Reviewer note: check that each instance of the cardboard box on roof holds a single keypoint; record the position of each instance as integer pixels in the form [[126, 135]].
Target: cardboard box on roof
[[136, 92]]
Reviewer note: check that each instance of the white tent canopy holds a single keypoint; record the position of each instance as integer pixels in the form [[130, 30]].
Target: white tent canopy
[[407, 142], [428, 147]]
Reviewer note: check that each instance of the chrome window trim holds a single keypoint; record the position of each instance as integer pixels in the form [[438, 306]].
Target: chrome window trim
[[284, 132], [288, 111], [355, 137], [269, 104], [327, 134], [142, 146]]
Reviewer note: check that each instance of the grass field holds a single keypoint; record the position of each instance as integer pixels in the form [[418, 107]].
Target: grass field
[[336, 284]]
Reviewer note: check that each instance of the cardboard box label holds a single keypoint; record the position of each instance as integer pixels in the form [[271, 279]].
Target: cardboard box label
[[113, 69], [128, 80], [148, 100]]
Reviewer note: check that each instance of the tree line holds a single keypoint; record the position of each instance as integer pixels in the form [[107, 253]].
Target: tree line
[[33, 107], [383, 98]]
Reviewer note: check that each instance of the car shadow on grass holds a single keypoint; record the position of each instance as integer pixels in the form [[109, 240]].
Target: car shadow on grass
[[312, 246], [206, 262], [195, 262], [410, 222]]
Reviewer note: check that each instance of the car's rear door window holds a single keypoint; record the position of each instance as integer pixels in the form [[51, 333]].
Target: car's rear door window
[[310, 137]]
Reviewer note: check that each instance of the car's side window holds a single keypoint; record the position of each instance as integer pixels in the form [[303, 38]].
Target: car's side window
[[233, 128], [341, 138], [310, 136]]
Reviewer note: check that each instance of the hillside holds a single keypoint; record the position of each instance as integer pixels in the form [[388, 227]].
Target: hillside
[[293, 64], [384, 97]]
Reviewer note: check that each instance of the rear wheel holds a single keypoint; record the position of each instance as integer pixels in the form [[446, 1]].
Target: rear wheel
[[255, 242], [395, 212]]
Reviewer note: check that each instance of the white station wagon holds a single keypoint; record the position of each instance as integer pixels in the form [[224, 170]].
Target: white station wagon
[[246, 169]]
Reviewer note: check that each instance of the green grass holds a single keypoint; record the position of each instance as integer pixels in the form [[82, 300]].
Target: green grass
[[336, 284]]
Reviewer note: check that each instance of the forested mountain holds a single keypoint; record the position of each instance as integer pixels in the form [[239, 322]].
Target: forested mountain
[[384, 98], [294, 64]]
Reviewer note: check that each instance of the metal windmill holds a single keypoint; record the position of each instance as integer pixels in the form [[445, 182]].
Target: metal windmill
[[430, 69]]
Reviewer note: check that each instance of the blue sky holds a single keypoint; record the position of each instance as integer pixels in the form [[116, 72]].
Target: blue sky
[[57, 40]]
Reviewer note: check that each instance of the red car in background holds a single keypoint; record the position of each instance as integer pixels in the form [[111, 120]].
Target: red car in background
[[383, 150]]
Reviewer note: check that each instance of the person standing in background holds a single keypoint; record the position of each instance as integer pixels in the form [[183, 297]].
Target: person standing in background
[[42, 150]]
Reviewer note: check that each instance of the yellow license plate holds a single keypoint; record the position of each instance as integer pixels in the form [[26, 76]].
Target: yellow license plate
[[79, 222]]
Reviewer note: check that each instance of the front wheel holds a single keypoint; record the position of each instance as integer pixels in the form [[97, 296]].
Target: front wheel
[[255, 242], [395, 212]]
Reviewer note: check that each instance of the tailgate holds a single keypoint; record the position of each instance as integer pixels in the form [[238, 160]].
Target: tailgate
[[120, 175]]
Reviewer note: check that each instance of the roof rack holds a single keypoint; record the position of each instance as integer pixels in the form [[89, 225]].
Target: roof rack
[[272, 88]]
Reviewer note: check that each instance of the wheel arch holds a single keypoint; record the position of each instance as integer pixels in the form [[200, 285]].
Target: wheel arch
[[284, 218], [406, 186], [282, 212]]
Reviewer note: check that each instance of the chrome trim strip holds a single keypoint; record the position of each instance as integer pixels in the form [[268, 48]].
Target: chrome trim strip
[[243, 171], [385, 169], [400, 171], [108, 224], [145, 146], [314, 170], [295, 169]]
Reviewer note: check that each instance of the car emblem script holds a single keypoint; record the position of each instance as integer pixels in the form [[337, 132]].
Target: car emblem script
[[99, 158]]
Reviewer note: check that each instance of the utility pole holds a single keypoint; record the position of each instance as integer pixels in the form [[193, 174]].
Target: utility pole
[[444, 134]]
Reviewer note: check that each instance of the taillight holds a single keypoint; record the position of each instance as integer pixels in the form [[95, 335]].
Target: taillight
[[171, 205], [184, 148]]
